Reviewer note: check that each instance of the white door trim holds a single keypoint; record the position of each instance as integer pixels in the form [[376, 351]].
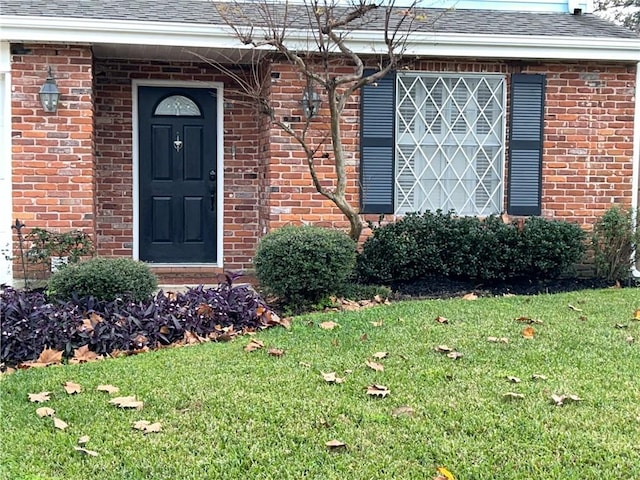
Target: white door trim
[[219, 87]]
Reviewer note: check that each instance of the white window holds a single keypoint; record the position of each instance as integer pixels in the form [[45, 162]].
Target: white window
[[450, 143]]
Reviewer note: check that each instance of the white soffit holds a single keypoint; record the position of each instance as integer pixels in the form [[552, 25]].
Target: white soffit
[[185, 36]]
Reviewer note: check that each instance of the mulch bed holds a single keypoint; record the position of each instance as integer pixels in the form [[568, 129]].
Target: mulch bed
[[443, 287]]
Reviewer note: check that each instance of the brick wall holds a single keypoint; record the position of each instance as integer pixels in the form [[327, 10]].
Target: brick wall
[[53, 157]]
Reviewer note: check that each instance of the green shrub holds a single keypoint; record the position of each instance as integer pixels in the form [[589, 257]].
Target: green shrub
[[613, 240], [304, 264], [104, 279], [422, 245]]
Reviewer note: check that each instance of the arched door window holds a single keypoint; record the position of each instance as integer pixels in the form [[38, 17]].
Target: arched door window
[[178, 106]]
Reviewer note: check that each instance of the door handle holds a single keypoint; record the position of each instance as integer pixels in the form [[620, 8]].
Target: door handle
[[213, 200]]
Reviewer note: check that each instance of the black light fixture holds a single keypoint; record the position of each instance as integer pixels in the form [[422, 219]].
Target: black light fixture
[[49, 94], [310, 101]]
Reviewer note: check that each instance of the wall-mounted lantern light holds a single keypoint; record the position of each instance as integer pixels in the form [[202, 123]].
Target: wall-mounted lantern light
[[310, 101], [49, 94]]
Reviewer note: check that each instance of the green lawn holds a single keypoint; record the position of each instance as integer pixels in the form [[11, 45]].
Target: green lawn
[[229, 414]]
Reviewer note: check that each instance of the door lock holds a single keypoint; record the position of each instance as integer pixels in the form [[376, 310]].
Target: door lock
[[212, 175]]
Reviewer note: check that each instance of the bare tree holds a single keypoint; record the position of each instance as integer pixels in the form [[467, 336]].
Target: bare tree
[[274, 28], [624, 12]]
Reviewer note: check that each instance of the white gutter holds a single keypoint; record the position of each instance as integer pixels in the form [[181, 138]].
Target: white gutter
[[635, 177], [58, 29]]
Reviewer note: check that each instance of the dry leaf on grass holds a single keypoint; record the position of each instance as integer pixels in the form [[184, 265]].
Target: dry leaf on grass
[[375, 366], [72, 388], [444, 474], [59, 424], [45, 412], [629, 339], [470, 296], [253, 345], [440, 319], [364, 337], [328, 325], [275, 352], [91, 453], [513, 379], [621, 326], [512, 396], [380, 355], [528, 333], [83, 440], [532, 321], [331, 377], [378, 390], [636, 314], [455, 355], [538, 376], [39, 397], [443, 349], [335, 445], [107, 388], [147, 427], [378, 323], [127, 402], [83, 354], [560, 400], [498, 340], [403, 411], [575, 309]]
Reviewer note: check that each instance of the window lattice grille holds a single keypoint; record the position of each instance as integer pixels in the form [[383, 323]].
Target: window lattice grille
[[450, 143]]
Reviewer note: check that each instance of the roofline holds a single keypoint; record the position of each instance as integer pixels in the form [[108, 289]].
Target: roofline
[[426, 44]]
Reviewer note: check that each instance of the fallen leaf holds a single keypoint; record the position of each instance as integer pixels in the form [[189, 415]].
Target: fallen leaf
[[253, 345], [528, 332], [60, 424], [403, 411], [50, 356], [275, 352], [440, 319], [95, 318], [560, 400], [331, 377], [455, 355], [304, 364], [636, 314], [72, 388], [446, 473], [378, 323], [629, 339], [83, 354], [107, 388], [533, 321], [83, 440], [621, 326], [498, 340], [147, 427], [583, 318], [39, 397], [335, 445], [470, 296], [45, 412], [513, 396], [127, 402], [91, 453], [575, 309], [328, 325], [378, 390], [191, 338], [375, 366], [364, 337], [537, 376], [443, 349], [513, 379], [380, 355]]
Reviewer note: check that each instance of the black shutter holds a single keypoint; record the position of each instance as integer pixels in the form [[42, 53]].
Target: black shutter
[[525, 144], [377, 120]]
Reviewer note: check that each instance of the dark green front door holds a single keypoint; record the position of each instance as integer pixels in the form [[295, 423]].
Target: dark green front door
[[177, 173]]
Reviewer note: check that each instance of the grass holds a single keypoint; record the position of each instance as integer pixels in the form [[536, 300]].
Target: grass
[[230, 414]]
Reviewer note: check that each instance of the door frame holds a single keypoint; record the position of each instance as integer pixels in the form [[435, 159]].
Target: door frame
[[219, 87]]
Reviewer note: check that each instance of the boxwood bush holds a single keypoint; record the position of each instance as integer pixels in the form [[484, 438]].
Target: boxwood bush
[[438, 243], [103, 279], [302, 264]]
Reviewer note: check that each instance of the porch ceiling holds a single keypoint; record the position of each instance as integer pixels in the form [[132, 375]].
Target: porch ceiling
[[173, 53]]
